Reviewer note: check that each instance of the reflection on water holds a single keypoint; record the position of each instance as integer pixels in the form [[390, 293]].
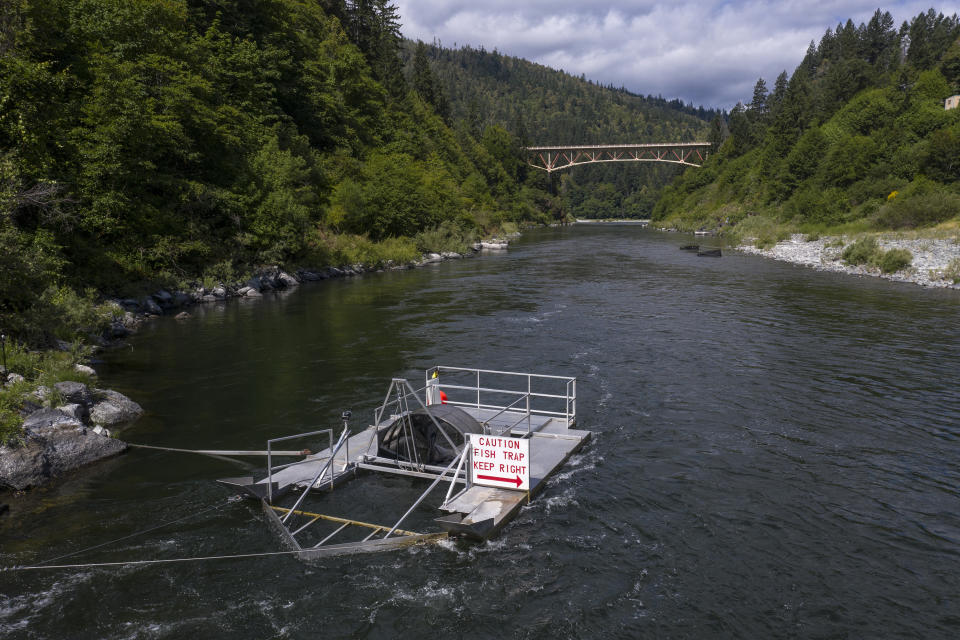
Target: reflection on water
[[775, 457]]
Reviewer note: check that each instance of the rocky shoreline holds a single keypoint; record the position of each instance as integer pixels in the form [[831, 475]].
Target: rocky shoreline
[[931, 257], [80, 428], [57, 439], [163, 302]]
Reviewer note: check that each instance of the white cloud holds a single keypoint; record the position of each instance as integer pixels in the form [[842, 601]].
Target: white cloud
[[709, 52]]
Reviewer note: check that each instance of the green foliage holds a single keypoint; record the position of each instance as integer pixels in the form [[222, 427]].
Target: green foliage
[[762, 231], [149, 142], [855, 122], [867, 251], [894, 260], [449, 236], [492, 95], [952, 271], [925, 205], [348, 249], [39, 368], [862, 251]]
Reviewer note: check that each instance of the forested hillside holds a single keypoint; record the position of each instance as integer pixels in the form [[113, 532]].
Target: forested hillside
[[856, 137], [156, 142], [542, 106]]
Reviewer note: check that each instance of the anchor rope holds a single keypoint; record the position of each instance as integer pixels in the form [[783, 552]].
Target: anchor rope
[[230, 500], [146, 562]]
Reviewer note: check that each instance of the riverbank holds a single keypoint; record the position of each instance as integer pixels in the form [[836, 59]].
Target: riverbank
[[935, 260], [66, 424]]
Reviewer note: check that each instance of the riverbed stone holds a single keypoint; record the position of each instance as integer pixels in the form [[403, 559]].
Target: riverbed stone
[[74, 392], [113, 409], [183, 315]]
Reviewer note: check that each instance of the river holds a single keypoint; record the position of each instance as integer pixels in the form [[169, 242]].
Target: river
[[776, 455]]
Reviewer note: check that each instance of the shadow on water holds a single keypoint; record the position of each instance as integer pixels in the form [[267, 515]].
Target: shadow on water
[[775, 457]]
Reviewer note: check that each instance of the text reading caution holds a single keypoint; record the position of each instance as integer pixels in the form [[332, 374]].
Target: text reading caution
[[500, 462]]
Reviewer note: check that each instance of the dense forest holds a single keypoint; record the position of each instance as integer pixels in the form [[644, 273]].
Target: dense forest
[[857, 138], [148, 143], [541, 106]]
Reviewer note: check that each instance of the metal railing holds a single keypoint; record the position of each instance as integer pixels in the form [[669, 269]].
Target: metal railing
[[534, 401]]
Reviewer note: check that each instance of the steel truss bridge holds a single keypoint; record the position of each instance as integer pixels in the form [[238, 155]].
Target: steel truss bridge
[[550, 159]]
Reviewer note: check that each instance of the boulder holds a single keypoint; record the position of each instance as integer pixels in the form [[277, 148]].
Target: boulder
[[51, 450], [311, 276], [41, 393], [163, 297], [181, 299], [183, 315], [287, 280], [152, 307], [432, 257], [253, 293], [13, 378], [37, 421], [209, 298], [219, 291], [82, 368], [451, 255], [76, 411], [74, 392], [114, 409]]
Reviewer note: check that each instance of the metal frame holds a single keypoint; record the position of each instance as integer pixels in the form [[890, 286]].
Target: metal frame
[[559, 157], [397, 403], [570, 397], [270, 467]]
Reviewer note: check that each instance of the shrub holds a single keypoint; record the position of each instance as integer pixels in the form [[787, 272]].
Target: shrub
[[926, 208], [446, 237], [952, 271], [894, 260], [38, 368], [764, 232], [863, 251]]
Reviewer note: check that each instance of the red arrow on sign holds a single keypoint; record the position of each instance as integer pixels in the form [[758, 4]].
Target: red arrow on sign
[[516, 480]]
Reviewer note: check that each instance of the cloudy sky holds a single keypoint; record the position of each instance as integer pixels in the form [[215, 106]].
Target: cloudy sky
[[710, 52]]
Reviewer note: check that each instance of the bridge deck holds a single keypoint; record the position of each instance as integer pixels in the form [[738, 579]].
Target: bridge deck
[[556, 157]]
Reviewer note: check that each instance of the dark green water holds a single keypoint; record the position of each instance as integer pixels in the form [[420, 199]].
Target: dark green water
[[777, 455]]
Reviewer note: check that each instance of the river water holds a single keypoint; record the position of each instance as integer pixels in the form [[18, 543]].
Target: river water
[[776, 455]]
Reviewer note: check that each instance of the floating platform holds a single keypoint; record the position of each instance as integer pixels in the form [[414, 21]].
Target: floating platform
[[492, 438]]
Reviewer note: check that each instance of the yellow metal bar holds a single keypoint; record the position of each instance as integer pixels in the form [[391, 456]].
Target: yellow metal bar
[[343, 520]]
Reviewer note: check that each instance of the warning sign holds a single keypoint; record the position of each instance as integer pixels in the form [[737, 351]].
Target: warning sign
[[500, 462]]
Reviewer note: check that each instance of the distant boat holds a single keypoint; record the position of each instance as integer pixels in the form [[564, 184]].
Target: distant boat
[[709, 253], [690, 247]]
